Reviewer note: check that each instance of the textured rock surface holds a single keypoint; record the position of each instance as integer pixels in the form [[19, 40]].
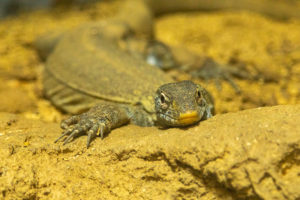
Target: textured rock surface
[[248, 154]]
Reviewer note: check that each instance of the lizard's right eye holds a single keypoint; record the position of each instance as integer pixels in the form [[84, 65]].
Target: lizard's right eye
[[162, 98], [163, 101]]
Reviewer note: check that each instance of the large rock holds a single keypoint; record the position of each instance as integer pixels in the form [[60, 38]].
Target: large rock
[[253, 154]]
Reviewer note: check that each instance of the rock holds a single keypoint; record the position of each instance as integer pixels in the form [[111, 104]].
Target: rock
[[252, 154]]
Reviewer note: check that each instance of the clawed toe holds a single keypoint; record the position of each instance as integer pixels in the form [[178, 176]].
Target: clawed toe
[[67, 132], [70, 121], [71, 133], [212, 70], [76, 126], [75, 133], [96, 130], [101, 131], [232, 83]]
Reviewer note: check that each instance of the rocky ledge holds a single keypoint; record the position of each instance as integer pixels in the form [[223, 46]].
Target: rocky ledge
[[251, 154]]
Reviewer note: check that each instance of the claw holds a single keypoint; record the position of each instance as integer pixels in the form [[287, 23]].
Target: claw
[[213, 70], [63, 135], [82, 124], [75, 133], [91, 134], [101, 132], [70, 137], [233, 84]]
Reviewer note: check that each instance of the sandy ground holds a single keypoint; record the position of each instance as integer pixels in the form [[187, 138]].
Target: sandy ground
[[248, 154]]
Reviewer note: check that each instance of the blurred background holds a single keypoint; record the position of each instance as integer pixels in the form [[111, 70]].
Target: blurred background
[[265, 42], [13, 7]]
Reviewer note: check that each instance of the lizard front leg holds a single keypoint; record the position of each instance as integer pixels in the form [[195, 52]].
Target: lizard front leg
[[98, 121]]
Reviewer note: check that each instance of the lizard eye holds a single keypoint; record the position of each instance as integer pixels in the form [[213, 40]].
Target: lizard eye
[[199, 94], [199, 98], [164, 101], [162, 98]]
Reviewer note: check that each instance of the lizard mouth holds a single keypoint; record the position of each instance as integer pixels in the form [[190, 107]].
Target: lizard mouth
[[184, 119], [188, 118]]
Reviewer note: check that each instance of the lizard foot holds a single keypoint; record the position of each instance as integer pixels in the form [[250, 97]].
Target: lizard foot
[[159, 54], [213, 70], [85, 123]]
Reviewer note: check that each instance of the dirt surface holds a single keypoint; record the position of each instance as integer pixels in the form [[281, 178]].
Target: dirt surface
[[248, 154]]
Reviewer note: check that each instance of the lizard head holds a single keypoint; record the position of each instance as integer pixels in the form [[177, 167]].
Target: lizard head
[[182, 104]]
